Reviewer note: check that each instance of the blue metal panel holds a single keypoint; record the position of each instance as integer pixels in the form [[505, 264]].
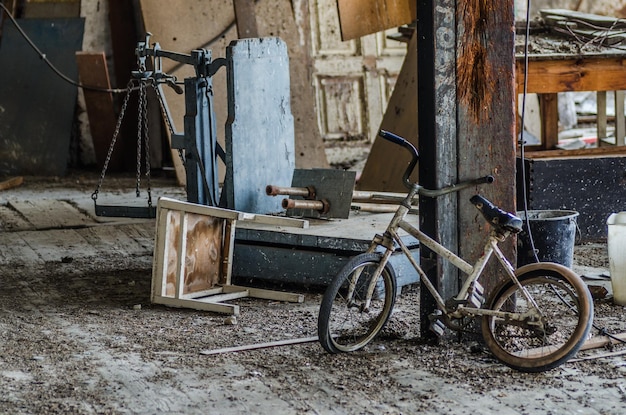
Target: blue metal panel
[[36, 106]]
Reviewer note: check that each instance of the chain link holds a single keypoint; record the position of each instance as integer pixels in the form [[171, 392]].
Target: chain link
[[116, 133]]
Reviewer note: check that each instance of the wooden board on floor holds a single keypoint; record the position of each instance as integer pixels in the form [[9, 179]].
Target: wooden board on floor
[[92, 71], [49, 213], [120, 239], [54, 245]]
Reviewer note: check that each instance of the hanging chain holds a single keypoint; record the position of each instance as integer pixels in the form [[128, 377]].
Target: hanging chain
[[147, 146], [140, 118], [116, 133]]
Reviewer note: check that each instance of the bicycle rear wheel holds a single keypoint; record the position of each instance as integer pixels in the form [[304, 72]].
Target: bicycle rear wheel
[[344, 325], [566, 317]]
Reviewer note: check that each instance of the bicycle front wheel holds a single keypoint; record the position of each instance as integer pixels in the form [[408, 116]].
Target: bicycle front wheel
[[565, 318], [345, 322]]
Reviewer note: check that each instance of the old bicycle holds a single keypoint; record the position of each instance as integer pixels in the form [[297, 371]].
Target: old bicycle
[[535, 320]]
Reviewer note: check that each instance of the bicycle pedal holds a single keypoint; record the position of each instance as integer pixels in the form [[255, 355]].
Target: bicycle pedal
[[476, 295], [436, 325]]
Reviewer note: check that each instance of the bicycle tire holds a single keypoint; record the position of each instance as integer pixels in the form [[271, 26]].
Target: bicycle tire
[[343, 325], [567, 308]]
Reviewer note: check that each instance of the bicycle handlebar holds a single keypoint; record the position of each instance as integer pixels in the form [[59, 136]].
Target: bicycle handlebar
[[396, 139]]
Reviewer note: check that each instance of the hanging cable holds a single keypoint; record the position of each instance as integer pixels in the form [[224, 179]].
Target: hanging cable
[[43, 57], [522, 143]]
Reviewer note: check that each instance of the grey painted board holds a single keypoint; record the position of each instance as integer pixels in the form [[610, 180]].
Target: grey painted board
[[260, 129], [312, 256], [255, 263], [333, 186], [37, 107]]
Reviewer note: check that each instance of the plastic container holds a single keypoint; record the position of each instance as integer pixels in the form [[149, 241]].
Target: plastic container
[[554, 236], [617, 255]]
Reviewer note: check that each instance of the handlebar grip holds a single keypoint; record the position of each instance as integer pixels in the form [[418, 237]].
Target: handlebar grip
[[396, 139]]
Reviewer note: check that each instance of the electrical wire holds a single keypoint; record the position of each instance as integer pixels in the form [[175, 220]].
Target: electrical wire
[[44, 58], [601, 330], [522, 143]]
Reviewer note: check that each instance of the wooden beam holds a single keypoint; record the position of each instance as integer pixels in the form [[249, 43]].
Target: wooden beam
[[486, 121], [246, 19], [562, 75], [11, 183], [437, 129], [549, 107]]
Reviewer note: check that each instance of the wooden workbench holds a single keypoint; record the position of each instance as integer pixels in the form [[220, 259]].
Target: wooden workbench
[[550, 74]]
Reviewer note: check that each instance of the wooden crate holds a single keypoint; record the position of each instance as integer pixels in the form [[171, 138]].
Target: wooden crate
[[193, 256]]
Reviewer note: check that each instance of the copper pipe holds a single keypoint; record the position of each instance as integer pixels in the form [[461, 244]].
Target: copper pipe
[[321, 206], [306, 192]]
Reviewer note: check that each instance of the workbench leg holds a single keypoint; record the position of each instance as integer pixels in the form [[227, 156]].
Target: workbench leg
[[601, 120], [620, 121], [549, 106]]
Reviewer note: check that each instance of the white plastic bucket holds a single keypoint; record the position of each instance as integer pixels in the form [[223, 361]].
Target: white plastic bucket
[[617, 255]]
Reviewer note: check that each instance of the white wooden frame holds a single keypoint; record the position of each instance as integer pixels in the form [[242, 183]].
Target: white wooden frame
[[211, 298]]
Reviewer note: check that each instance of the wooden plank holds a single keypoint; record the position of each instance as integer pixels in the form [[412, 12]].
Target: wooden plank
[[586, 152], [92, 71], [13, 248], [400, 118], [562, 75], [260, 146], [197, 305], [363, 17], [112, 239], [266, 294], [620, 122], [53, 245], [11, 183], [47, 213], [549, 107], [259, 346], [553, 16], [601, 341], [11, 220], [246, 18], [602, 118]]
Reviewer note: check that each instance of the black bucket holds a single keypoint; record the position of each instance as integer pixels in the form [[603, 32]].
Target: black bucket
[[554, 235]]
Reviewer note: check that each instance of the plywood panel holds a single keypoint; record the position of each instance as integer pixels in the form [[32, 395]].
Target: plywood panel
[[363, 17], [400, 118], [92, 71]]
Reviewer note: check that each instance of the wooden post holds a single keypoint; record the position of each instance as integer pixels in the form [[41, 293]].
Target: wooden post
[[486, 120], [466, 117], [436, 104]]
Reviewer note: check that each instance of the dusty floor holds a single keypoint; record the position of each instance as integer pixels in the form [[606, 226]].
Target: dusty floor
[[79, 336]]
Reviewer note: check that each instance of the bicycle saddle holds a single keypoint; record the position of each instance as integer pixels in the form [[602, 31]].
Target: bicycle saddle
[[496, 216]]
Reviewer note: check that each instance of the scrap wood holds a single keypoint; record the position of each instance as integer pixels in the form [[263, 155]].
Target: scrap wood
[[260, 345], [601, 341], [599, 356], [11, 183]]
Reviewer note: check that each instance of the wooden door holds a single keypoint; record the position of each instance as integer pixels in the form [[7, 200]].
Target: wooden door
[[353, 79]]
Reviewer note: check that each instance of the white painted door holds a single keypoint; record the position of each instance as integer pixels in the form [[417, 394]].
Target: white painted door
[[354, 79]]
